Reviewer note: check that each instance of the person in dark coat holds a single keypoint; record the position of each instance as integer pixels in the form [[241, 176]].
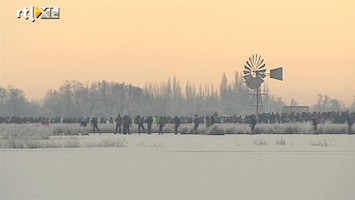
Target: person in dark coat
[[118, 121], [161, 124], [212, 120], [125, 124], [350, 123], [140, 120], [253, 122], [94, 122], [208, 121], [177, 124], [149, 124], [83, 122], [314, 124], [196, 123]]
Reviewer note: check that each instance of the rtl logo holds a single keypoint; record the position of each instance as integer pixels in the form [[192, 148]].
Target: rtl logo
[[34, 12]]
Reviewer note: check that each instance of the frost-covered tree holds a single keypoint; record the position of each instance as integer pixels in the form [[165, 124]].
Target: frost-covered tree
[[16, 102], [352, 106], [103, 98], [13, 103], [223, 88], [325, 104], [3, 95]]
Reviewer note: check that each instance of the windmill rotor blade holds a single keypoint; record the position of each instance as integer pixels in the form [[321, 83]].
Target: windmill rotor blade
[[246, 77], [262, 61], [252, 84], [251, 61], [249, 83], [258, 80], [250, 65], [247, 67], [256, 60], [262, 75], [245, 72], [261, 71], [262, 66], [259, 61]]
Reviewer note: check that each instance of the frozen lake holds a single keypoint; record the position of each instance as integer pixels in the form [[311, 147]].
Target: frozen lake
[[185, 167]]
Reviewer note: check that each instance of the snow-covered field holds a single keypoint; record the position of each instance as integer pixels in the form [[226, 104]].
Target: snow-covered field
[[183, 167]]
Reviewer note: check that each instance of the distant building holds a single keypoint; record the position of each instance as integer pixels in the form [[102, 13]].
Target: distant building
[[297, 109]]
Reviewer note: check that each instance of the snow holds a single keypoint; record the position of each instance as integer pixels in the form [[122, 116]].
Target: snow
[[185, 167]]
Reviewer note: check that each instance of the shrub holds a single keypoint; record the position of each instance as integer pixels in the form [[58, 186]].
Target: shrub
[[184, 130], [71, 143], [332, 129], [215, 130]]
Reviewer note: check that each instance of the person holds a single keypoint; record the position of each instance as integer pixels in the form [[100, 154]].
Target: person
[[126, 123], [111, 120], [314, 124], [149, 124], [155, 119], [94, 122], [140, 120], [45, 122], [253, 122], [196, 123], [118, 121], [350, 123], [161, 124], [129, 124], [212, 120], [83, 122], [177, 124], [208, 121]]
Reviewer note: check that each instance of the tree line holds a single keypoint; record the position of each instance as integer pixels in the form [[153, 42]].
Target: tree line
[[168, 98]]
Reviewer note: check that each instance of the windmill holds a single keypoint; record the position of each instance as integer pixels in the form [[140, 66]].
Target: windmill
[[254, 74]]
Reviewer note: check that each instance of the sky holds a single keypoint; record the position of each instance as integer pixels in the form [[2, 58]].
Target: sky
[[139, 41]]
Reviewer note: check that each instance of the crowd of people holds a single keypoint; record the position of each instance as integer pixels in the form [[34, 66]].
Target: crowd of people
[[271, 117], [123, 123]]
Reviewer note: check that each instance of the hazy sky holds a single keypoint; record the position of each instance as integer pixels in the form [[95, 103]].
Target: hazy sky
[[138, 41]]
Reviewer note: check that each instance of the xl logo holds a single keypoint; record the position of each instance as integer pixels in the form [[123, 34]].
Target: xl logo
[[34, 12]]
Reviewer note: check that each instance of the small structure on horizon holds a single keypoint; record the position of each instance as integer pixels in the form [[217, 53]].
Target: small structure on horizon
[[296, 109]]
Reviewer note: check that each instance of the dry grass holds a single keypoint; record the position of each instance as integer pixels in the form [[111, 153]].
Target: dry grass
[[38, 136], [260, 142], [325, 142], [281, 141], [151, 144]]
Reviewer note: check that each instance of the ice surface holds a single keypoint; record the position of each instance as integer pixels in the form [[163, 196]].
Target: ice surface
[[185, 167]]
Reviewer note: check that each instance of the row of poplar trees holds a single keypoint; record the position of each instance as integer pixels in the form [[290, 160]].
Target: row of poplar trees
[[169, 98]]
